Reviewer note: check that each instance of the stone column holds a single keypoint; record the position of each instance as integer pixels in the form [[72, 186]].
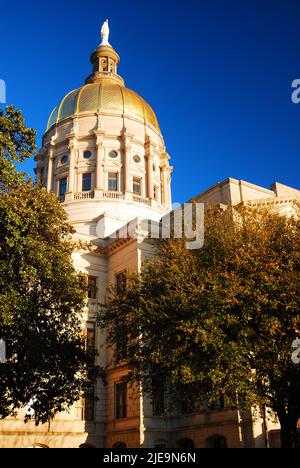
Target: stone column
[[127, 145], [149, 170], [166, 171], [72, 156], [50, 169], [99, 184]]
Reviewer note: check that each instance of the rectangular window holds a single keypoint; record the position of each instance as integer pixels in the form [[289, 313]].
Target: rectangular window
[[86, 182], [85, 408], [89, 332], [137, 186], [121, 282], [92, 287], [158, 397], [121, 400], [156, 193], [89, 405], [63, 183], [121, 343], [113, 181]]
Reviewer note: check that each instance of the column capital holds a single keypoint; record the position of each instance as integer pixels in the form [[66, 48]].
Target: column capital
[[72, 141], [99, 134], [149, 143], [127, 138]]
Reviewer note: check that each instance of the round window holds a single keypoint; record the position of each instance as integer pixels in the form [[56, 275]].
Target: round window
[[137, 159], [64, 159], [113, 154], [87, 154]]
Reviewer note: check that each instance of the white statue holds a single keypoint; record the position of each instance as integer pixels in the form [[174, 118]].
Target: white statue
[[105, 33]]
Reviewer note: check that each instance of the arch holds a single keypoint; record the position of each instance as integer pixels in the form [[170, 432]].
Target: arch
[[216, 441], [185, 443], [119, 445], [38, 446], [160, 444]]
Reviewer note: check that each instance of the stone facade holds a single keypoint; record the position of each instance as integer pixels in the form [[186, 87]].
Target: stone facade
[[104, 156]]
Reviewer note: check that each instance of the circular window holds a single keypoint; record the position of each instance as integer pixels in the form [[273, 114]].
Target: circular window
[[137, 159], [113, 154], [87, 154], [64, 159]]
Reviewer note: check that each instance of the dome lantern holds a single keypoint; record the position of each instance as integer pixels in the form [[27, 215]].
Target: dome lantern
[[105, 60]]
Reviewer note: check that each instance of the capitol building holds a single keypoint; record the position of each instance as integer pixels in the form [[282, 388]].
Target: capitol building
[[104, 156]]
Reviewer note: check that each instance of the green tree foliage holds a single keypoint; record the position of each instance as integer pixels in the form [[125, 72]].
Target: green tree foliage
[[220, 320], [41, 295]]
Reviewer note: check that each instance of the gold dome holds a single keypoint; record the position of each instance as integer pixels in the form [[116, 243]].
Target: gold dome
[[103, 95]]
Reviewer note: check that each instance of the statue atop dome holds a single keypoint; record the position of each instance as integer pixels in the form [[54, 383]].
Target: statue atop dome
[[105, 33]]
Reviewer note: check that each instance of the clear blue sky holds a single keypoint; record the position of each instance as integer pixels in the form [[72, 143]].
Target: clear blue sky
[[217, 72]]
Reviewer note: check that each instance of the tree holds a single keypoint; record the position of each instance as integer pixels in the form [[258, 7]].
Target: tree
[[220, 320], [41, 295]]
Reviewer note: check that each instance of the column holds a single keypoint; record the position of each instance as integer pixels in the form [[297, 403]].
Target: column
[[127, 145], [72, 156], [127, 169], [50, 169], [149, 170], [99, 182]]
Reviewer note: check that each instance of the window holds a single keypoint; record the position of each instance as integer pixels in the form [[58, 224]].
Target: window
[[92, 287], [155, 192], [63, 188], [121, 343], [160, 444], [219, 404], [190, 402], [137, 185], [187, 444], [89, 405], [119, 445], [158, 397], [216, 442], [64, 159], [113, 154], [121, 400], [136, 159], [86, 182], [90, 335], [85, 411], [121, 282], [87, 154], [113, 181]]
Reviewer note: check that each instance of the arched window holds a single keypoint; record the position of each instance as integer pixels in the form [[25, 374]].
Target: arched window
[[38, 446], [186, 444], [119, 445], [216, 441], [160, 444]]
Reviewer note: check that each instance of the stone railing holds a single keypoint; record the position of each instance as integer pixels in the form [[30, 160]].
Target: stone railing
[[106, 195], [113, 195], [139, 199], [84, 195]]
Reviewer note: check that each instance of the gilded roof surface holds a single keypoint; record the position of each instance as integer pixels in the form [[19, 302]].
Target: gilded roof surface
[[104, 95]]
